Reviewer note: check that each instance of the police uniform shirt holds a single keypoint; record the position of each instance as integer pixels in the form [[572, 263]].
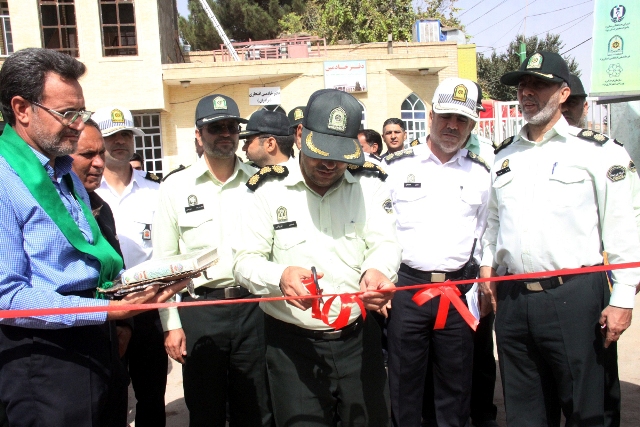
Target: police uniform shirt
[[440, 208], [555, 202], [133, 211], [343, 233], [196, 211]]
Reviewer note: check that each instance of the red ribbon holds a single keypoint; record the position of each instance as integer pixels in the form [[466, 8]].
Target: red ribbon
[[346, 301], [449, 294]]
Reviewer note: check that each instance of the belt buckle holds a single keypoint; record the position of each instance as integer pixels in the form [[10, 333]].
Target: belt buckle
[[232, 292], [534, 286], [332, 335], [438, 277]]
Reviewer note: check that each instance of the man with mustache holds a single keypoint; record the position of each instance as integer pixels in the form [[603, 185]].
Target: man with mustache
[[560, 196], [440, 193], [58, 367], [133, 195], [221, 347], [326, 213]]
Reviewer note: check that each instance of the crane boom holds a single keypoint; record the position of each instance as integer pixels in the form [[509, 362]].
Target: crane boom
[[219, 29]]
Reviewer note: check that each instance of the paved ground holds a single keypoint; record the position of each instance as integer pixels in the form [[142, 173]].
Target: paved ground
[[629, 363]]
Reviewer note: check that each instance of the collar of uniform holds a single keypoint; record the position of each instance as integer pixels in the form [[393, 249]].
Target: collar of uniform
[[561, 127], [457, 157], [295, 175], [200, 168]]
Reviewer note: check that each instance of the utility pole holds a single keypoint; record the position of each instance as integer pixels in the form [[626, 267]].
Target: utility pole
[[523, 43], [219, 29]]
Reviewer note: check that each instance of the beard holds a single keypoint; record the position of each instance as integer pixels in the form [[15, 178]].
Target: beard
[[54, 144], [545, 113], [213, 149]]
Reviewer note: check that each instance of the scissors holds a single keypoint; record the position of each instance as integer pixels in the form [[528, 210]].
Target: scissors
[[315, 282]]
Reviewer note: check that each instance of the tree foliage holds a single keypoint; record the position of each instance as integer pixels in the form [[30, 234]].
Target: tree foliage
[[360, 21], [492, 67]]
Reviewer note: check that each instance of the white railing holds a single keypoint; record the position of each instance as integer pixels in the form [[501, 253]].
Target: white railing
[[598, 117]]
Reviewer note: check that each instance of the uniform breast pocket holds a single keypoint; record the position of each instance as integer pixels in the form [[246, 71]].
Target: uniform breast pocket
[[566, 187], [288, 239], [196, 229], [504, 188], [471, 199], [352, 246], [409, 204]]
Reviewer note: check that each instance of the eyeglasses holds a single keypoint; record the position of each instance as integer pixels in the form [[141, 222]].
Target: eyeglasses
[[68, 117], [217, 129]]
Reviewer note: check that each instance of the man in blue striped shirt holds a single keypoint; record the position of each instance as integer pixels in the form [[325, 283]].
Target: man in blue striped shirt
[[54, 369]]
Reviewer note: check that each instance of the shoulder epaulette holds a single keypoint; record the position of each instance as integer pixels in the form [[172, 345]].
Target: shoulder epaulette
[[475, 158], [615, 141], [368, 167], [503, 144], [414, 143], [263, 174], [152, 177], [590, 135], [180, 168], [399, 154], [375, 156]]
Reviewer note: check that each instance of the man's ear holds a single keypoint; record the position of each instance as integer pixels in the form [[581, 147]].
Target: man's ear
[[21, 110], [270, 145]]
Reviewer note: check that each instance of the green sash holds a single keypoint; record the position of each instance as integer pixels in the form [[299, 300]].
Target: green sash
[[34, 176]]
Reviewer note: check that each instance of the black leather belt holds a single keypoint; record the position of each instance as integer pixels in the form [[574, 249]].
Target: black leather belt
[[539, 285], [328, 334], [230, 292], [431, 276]]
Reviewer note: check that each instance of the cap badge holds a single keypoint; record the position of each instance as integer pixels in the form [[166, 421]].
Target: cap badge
[[219, 103], [281, 214], [460, 93], [535, 61], [117, 116], [505, 164], [356, 153], [313, 148], [298, 114], [338, 120], [192, 200], [1, 117]]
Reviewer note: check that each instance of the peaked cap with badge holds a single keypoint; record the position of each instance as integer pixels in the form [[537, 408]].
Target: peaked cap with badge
[[330, 127], [296, 115], [548, 66], [575, 84], [115, 119], [269, 122], [216, 107], [456, 96]]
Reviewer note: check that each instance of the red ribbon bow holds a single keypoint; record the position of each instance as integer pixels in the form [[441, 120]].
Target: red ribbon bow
[[346, 301], [448, 294]]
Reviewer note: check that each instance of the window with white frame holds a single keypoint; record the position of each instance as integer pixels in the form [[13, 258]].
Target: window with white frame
[[149, 146], [363, 119], [414, 115]]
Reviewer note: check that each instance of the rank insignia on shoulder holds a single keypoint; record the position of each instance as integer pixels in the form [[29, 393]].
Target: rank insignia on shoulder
[[632, 166], [375, 156], [152, 177], [616, 173], [590, 135], [398, 155], [503, 144], [178, 169], [615, 141], [504, 168], [388, 206], [268, 171], [369, 168], [414, 142], [475, 158]]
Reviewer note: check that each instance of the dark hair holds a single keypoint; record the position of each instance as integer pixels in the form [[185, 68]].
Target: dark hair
[[92, 123], [136, 157], [394, 121], [372, 137], [24, 72]]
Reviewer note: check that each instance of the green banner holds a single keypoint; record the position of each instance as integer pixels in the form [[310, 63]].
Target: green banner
[[616, 48]]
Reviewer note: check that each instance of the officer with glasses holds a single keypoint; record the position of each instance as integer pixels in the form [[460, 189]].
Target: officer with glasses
[[221, 347]]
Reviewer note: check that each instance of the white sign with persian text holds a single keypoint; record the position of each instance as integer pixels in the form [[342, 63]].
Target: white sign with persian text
[[264, 96]]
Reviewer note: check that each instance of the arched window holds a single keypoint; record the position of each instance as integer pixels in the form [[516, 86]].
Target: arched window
[[414, 115], [275, 108], [363, 120]]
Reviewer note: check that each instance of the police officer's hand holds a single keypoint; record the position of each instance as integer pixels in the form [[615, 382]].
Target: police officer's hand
[[614, 321], [377, 290], [291, 285], [124, 336], [149, 295], [175, 343], [487, 291]]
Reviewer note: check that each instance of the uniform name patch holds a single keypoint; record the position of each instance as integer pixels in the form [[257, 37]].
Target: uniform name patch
[[194, 208], [283, 225], [616, 173], [503, 171], [412, 185]]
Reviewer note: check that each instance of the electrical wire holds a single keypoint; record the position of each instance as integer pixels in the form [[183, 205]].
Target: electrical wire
[[576, 46], [470, 8], [557, 10], [502, 2], [491, 26]]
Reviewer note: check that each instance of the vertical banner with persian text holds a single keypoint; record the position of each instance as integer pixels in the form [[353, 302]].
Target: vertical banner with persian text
[[616, 48]]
